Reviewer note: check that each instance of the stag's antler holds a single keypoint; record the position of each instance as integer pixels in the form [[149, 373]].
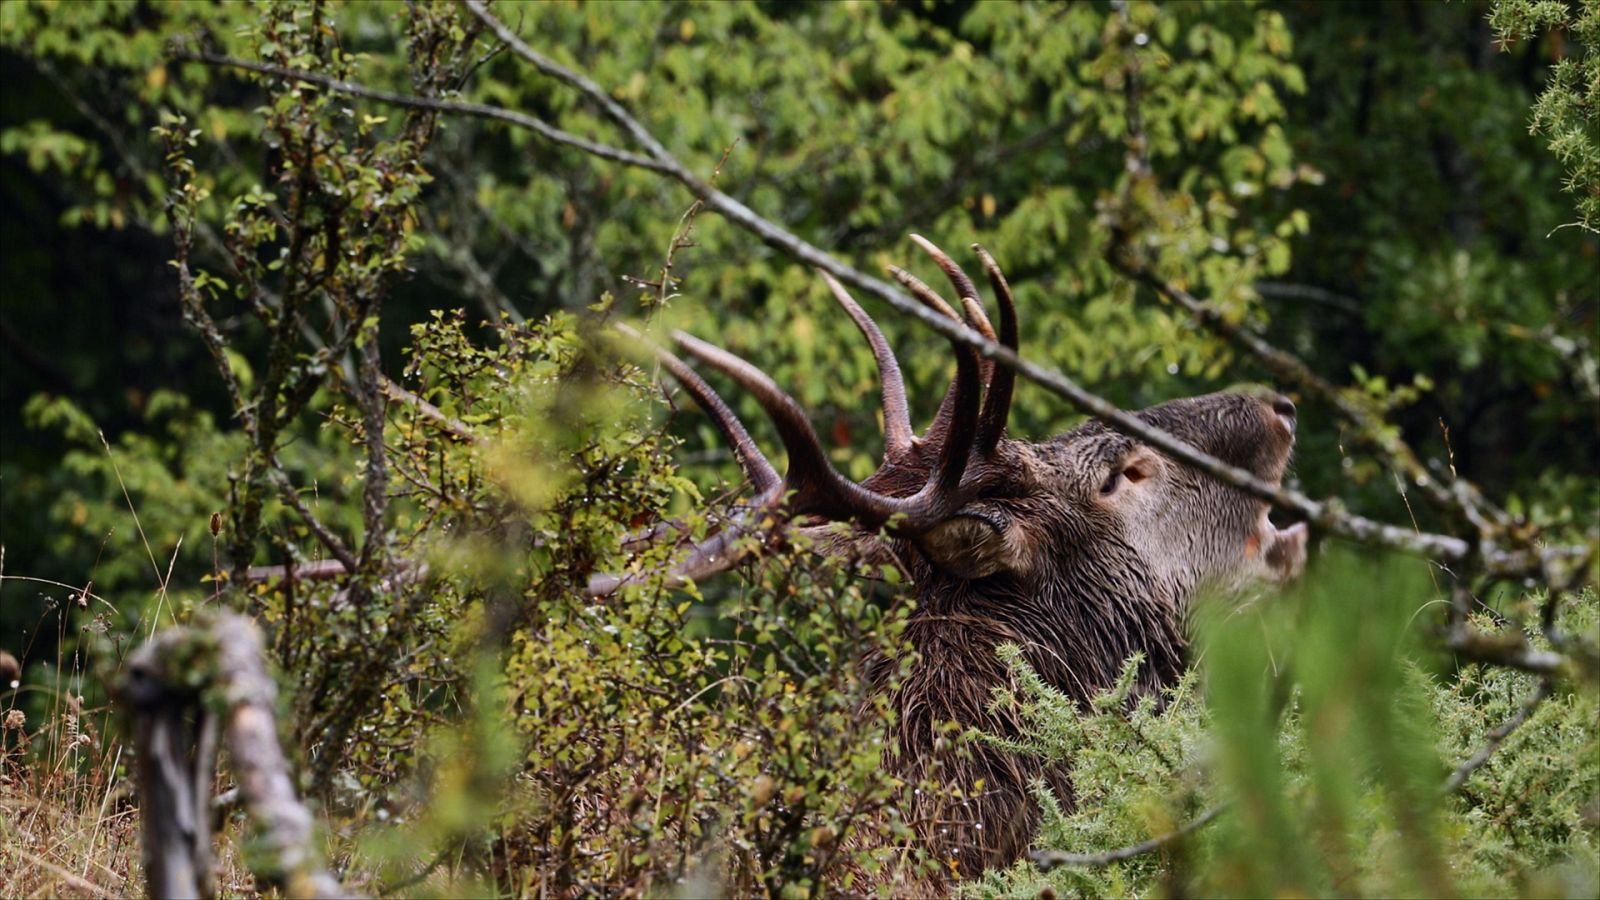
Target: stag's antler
[[970, 422]]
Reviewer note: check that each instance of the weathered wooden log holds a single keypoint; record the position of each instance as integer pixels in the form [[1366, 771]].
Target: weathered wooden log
[[174, 768], [181, 689]]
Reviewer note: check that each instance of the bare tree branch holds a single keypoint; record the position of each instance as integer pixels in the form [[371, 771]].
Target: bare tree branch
[[315, 571], [286, 490], [455, 427], [1288, 367], [594, 92], [1469, 511], [479, 282], [412, 101], [1285, 290], [1510, 649]]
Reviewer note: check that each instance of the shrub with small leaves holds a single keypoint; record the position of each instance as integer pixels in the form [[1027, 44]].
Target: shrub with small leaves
[[1320, 729], [1567, 112]]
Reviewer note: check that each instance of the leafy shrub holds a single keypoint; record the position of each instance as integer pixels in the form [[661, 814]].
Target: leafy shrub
[[649, 740]]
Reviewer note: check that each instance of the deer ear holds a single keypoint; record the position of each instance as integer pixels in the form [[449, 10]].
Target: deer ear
[[970, 544], [1138, 465]]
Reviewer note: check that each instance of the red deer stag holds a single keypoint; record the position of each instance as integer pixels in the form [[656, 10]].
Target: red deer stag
[[1083, 549]]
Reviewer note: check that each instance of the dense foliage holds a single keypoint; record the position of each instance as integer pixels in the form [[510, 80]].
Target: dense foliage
[[380, 343], [1565, 111], [1322, 790]]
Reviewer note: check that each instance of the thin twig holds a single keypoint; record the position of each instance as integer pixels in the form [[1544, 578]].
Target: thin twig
[[76, 882], [286, 489], [1284, 290], [596, 94], [1288, 367], [390, 889], [1497, 737], [161, 584], [1510, 649], [316, 571], [1049, 859], [412, 101], [117, 471], [454, 426]]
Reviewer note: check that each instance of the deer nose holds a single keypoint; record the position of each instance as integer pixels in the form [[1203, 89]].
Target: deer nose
[[1284, 407]]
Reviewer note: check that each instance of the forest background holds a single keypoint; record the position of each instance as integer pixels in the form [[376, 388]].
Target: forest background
[[225, 290]]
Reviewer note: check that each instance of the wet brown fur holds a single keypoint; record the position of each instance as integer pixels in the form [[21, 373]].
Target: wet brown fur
[[1040, 559]]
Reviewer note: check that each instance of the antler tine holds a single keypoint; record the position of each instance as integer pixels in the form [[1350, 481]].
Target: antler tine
[[812, 485], [919, 289], [896, 417], [818, 487], [958, 411], [960, 433], [965, 289], [763, 477], [967, 292], [946, 414], [808, 465], [997, 405], [979, 319]]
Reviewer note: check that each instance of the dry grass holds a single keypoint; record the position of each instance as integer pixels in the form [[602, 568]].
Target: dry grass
[[69, 820]]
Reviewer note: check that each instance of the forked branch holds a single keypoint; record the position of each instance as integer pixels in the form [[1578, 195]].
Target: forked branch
[[1459, 776]]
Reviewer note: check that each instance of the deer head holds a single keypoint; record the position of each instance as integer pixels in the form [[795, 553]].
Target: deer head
[[1082, 549]]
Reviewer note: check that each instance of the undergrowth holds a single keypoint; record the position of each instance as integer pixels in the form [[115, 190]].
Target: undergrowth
[[69, 817], [1320, 729], [529, 740], [524, 738]]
